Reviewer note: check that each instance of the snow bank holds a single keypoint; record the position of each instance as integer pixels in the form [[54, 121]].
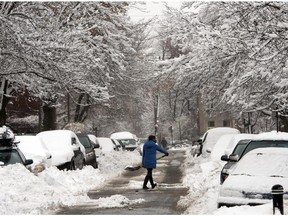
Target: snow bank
[[22, 192]]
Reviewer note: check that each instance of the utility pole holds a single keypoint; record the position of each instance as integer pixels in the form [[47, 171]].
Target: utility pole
[[2, 91], [68, 106], [156, 114]]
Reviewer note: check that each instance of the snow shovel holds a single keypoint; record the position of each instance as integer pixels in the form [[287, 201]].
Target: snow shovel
[[131, 168]]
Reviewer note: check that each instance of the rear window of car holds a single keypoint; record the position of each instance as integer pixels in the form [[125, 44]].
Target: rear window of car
[[265, 144]]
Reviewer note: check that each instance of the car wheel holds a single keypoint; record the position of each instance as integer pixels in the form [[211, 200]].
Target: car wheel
[[95, 164], [72, 165], [219, 205], [83, 164]]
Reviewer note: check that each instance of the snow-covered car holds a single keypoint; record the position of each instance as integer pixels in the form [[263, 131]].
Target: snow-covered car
[[33, 147], [251, 180], [126, 139], [210, 138], [91, 158], [65, 147], [262, 140], [9, 152], [106, 145], [220, 147]]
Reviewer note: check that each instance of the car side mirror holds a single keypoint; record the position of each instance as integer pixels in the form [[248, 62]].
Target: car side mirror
[[233, 158], [199, 141], [224, 158], [208, 150], [73, 141], [28, 162], [96, 145]]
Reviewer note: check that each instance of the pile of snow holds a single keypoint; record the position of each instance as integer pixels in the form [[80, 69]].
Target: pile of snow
[[203, 179], [22, 192]]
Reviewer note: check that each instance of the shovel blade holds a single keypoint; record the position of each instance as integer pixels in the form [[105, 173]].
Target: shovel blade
[[133, 168]]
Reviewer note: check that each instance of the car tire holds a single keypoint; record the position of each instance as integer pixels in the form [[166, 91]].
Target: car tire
[[72, 165], [95, 164], [219, 205]]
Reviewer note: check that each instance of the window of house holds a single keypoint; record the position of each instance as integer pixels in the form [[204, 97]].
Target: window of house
[[211, 124], [226, 123]]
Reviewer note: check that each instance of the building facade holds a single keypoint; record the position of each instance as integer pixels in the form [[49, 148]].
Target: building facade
[[211, 120]]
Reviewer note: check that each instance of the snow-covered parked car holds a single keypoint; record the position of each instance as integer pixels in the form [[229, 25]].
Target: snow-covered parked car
[[9, 151], [220, 147], [210, 138], [262, 140], [90, 147], [126, 139], [33, 147], [251, 180], [65, 147], [106, 145], [93, 138]]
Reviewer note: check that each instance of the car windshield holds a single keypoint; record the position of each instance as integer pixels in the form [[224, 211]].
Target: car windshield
[[239, 148], [85, 141], [127, 141], [10, 156], [264, 144]]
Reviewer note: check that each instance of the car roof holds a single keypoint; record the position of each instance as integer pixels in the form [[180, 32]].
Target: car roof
[[273, 135], [123, 135]]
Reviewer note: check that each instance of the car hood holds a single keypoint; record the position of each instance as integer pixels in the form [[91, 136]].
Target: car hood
[[251, 184]]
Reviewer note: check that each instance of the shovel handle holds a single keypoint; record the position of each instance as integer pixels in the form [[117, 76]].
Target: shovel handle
[[161, 157]]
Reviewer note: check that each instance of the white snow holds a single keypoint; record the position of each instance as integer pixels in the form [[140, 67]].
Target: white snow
[[23, 192], [122, 135]]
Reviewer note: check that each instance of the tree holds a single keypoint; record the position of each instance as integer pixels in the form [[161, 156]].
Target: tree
[[236, 54], [68, 46]]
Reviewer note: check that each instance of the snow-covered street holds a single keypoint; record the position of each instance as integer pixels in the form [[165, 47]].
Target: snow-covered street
[[25, 193]]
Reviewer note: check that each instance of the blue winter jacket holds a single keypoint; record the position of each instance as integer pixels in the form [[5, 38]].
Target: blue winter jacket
[[149, 154]]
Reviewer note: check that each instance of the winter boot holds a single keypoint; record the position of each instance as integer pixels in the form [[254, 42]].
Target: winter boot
[[145, 183], [153, 185]]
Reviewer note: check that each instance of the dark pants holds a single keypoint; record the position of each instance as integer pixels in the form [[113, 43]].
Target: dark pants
[[149, 178]]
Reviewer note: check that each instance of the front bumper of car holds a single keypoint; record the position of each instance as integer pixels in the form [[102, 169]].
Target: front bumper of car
[[245, 198]]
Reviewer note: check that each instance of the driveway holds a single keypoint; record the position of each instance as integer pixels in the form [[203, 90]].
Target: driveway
[[161, 200]]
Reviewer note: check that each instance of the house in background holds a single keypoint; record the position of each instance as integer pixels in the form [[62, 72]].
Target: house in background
[[211, 120]]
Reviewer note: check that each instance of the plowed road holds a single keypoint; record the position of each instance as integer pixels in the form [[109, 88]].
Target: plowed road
[[161, 200]]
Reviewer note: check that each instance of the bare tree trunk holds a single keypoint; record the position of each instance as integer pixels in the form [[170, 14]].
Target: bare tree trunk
[[4, 90], [49, 119], [81, 111], [2, 116]]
